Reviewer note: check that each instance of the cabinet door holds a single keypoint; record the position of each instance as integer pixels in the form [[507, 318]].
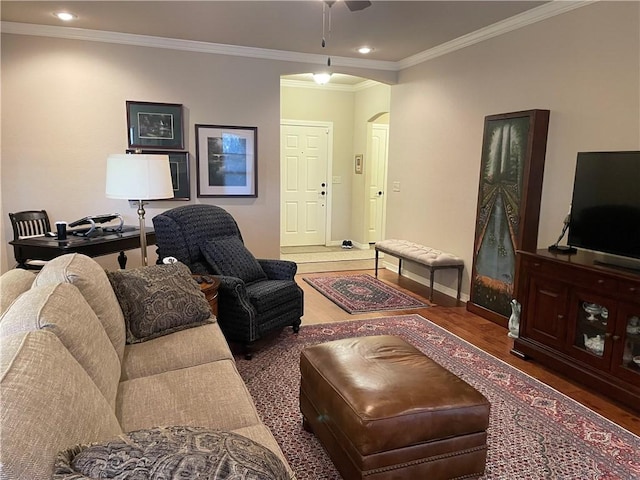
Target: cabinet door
[[592, 323], [546, 313], [625, 362]]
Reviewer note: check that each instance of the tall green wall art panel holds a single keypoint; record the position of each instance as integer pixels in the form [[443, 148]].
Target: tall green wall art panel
[[511, 172]]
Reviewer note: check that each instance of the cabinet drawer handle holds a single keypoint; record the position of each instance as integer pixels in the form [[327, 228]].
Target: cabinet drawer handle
[[600, 281], [632, 289], [560, 317], [536, 264], [616, 338]]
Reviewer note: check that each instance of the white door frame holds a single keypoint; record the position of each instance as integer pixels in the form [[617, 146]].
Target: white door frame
[[329, 190]]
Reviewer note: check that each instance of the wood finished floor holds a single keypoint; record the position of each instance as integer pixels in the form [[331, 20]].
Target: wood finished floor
[[486, 335]]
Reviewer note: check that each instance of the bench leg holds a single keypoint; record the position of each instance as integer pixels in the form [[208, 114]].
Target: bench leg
[[431, 272], [376, 263], [460, 269], [399, 266]]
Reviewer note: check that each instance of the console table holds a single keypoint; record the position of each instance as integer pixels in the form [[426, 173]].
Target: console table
[[104, 243], [582, 319]]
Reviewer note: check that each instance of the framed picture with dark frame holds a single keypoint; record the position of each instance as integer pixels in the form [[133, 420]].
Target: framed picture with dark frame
[[511, 173], [155, 125], [180, 178], [227, 161]]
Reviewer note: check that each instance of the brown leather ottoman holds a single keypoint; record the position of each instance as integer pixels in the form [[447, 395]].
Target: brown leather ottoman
[[383, 410]]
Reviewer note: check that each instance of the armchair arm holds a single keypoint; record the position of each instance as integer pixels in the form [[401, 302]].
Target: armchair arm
[[232, 285], [278, 269], [236, 314]]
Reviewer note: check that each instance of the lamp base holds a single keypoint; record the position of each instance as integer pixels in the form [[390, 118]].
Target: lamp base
[[143, 234]]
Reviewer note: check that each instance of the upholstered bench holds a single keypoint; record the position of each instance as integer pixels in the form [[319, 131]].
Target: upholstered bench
[[429, 257], [383, 410]]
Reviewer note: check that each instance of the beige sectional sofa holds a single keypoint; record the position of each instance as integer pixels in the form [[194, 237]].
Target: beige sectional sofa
[[68, 377]]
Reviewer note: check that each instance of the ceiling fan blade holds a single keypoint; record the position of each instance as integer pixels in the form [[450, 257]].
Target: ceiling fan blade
[[355, 5]]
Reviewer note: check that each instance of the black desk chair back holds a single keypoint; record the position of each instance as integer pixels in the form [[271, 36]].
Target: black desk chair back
[[30, 223]]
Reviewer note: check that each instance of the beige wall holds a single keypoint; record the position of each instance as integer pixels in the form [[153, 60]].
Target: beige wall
[[370, 104], [63, 113], [583, 66]]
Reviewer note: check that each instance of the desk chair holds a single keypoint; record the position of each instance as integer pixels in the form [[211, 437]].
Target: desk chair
[[30, 223]]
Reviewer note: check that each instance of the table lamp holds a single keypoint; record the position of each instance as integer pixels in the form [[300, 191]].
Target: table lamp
[[139, 177]]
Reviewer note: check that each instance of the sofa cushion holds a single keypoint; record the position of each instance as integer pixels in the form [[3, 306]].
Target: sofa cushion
[[210, 395], [229, 257], [158, 300], [12, 284], [173, 452], [49, 403], [62, 310], [186, 348], [267, 295], [91, 279]]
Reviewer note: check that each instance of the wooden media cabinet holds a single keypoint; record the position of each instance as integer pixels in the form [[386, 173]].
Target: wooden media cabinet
[[582, 319]]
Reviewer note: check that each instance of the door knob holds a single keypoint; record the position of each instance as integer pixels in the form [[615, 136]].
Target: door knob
[[380, 194], [322, 192], [323, 185]]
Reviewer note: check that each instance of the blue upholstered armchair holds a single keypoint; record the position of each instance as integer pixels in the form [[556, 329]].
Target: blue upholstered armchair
[[255, 296]]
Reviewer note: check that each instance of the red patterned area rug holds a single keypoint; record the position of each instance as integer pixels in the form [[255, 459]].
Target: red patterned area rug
[[362, 293], [534, 431]]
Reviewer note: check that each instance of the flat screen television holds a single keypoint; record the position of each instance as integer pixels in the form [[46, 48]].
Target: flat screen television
[[605, 209]]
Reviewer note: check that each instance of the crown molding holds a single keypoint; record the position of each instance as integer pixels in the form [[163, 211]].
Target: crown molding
[[71, 33], [336, 87], [547, 10], [364, 85], [537, 14]]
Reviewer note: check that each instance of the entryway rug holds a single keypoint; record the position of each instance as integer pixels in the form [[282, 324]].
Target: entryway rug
[[362, 293], [534, 432]]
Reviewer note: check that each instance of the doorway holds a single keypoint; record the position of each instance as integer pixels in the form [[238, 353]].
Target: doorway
[[305, 169], [378, 146]]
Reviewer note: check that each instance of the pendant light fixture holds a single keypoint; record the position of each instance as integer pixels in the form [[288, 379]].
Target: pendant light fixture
[[326, 25]]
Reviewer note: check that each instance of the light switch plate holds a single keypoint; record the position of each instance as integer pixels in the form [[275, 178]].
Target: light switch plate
[[396, 186], [337, 179]]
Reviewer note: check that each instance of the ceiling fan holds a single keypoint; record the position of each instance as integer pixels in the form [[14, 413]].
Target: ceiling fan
[[353, 6]]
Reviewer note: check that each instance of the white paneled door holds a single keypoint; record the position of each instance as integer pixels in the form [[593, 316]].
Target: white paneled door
[[377, 174], [304, 184]]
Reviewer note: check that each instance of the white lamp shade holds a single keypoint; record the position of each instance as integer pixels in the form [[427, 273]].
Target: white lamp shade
[[138, 177]]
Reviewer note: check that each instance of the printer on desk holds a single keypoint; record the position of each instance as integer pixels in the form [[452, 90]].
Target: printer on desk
[[94, 225]]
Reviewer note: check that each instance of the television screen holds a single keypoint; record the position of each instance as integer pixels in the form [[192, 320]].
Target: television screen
[[605, 210]]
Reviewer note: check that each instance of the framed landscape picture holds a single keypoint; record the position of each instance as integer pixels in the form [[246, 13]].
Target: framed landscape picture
[[511, 171], [154, 125], [179, 165], [227, 161]]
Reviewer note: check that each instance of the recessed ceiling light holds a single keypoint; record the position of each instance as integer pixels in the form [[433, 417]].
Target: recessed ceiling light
[[365, 50], [65, 16]]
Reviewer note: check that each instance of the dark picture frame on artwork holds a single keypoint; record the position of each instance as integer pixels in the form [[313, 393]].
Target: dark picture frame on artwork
[[155, 125], [226, 161], [180, 171], [511, 172]]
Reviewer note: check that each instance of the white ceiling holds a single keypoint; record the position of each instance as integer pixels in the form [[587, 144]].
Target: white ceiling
[[395, 29]]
